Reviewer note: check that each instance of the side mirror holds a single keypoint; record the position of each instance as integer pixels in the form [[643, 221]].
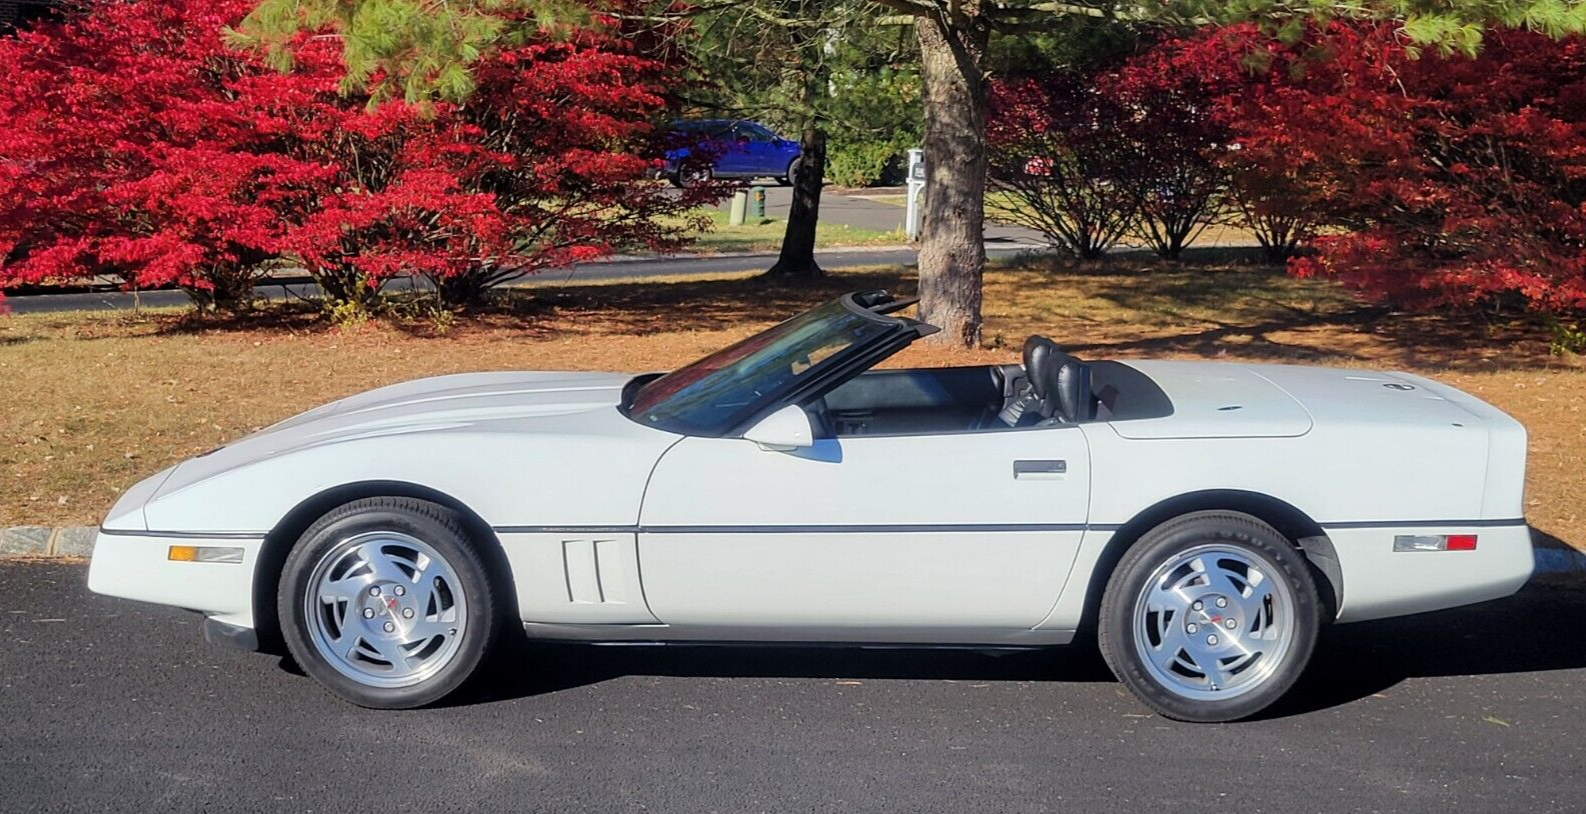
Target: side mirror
[[786, 429]]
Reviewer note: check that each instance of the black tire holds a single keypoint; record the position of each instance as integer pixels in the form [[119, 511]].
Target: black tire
[[1120, 629], [792, 173], [690, 175], [443, 531]]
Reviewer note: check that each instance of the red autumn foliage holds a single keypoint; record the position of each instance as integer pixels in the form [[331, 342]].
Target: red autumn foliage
[[1443, 180], [134, 143], [1461, 181], [1418, 179], [1179, 129], [121, 153], [1097, 152], [1059, 150]]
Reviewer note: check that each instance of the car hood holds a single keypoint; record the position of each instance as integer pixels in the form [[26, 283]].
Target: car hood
[[515, 401], [465, 397], [1231, 400]]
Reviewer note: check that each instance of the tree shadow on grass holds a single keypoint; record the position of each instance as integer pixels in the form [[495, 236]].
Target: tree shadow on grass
[[1259, 312], [650, 307], [1370, 335], [608, 308], [1120, 306], [1256, 340]]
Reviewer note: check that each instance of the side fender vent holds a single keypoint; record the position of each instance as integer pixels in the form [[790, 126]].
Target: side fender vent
[[595, 573]]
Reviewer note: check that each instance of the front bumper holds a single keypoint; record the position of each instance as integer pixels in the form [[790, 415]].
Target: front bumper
[[1379, 582], [228, 635], [137, 565]]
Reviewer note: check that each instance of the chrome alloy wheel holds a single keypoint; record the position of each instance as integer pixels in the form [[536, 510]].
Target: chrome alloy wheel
[[385, 609], [1213, 623]]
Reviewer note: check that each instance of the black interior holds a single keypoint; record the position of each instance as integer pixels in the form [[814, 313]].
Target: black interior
[[1050, 388]]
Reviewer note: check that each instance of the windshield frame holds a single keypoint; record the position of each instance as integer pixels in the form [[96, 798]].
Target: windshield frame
[[816, 380]]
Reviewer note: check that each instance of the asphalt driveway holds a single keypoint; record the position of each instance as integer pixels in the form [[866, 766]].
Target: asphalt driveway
[[107, 704]]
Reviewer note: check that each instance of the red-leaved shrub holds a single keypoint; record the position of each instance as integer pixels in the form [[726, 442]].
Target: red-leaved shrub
[[1093, 153], [123, 152], [135, 143], [1458, 180], [1435, 180], [1059, 152]]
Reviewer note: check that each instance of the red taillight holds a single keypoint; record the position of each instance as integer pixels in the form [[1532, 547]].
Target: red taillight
[[1434, 542]]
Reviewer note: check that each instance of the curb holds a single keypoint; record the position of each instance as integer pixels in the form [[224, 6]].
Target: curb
[[1559, 563], [45, 541], [1553, 560]]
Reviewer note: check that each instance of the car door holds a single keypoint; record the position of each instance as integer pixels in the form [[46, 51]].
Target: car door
[[765, 154], [869, 538], [735, 154]]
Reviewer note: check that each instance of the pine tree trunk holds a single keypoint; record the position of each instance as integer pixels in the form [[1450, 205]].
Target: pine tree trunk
[[797, 260], [952, 239]]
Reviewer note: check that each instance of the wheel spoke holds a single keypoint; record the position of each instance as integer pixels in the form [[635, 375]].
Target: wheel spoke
[[425, 629], [1217, 677], [1219, 581], [1173, 640], [1173, 598], [1254, 606], [380, 563], [426, 581], [341, 638], [346, 589], [391, 650]]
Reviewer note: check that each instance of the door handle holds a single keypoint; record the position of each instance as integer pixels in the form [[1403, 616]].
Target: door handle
[[1037, 470]]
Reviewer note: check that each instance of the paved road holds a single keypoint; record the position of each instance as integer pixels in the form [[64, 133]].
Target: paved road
[[845, 209], [586, 272], [106, 704]]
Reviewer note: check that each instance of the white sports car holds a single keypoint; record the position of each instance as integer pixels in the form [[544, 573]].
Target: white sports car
[[1202, 519]]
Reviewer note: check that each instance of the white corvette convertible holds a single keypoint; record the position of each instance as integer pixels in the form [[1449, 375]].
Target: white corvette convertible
[[1203, 520]]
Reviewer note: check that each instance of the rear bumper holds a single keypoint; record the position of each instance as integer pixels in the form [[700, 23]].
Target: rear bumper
[[137, 565], [1379, 582]]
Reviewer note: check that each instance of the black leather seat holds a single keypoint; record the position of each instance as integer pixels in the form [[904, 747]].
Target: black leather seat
[[1059, 383]]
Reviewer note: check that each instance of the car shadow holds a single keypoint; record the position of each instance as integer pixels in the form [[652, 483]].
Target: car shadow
[[1538, 629], [553, 667]]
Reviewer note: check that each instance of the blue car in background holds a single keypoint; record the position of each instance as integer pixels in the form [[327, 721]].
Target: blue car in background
[[728, 148]]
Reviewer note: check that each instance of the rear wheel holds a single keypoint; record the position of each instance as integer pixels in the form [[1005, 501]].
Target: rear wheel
[[694, 174], [387, 603], [1210, 617]]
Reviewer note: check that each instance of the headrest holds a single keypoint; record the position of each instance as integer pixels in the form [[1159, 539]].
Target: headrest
[[1042, 358], [1074, 400]]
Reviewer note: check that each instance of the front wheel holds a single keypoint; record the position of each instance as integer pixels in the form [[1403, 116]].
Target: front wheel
[[386, 603], [1210, 617], [791, 176]]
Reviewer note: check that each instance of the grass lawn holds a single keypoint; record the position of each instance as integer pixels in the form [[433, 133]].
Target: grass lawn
[[1214, 236], [765, 235], [94, 402]]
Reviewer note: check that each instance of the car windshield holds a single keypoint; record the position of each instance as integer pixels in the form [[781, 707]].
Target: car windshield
[[713, 395]]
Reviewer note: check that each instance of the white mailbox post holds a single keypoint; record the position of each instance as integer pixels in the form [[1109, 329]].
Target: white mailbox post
[[911, 217]]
